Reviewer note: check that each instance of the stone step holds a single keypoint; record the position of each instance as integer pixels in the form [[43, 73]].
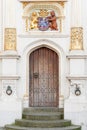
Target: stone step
[[43, 109], [42, 115], [11, 127], [43, 124]]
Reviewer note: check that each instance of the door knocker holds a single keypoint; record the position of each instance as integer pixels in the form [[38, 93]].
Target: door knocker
[[9, 90], [77, 91]]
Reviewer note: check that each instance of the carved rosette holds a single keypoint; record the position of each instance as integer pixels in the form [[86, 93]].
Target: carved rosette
[[10, 39], [76, 38]]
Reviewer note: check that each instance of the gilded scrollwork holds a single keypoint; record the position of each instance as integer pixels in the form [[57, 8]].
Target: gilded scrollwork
[[76, 38], [10, 39]]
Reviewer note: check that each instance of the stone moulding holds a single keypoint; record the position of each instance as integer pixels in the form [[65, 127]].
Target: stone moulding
[[9, 56], [83, 56], [42, 0], [76, 77], [43, 35], [14, 77]]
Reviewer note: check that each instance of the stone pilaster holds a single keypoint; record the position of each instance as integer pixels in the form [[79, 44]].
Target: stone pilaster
[[10, 14], [76, 25], [1, 24]]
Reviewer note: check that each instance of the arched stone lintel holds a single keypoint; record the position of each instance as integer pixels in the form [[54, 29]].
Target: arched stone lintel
[[51, 6], [43, 43]]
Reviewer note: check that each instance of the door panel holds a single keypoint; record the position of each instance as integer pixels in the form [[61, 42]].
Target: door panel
[[44, 78]]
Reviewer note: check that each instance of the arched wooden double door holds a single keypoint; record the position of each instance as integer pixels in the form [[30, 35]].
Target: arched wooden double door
[[44, 78]]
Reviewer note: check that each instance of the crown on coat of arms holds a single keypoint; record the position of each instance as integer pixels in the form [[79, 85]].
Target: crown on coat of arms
[[43, 13]]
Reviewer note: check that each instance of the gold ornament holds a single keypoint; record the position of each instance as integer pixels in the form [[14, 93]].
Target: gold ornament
[[27, 20], [43, 13], [76, 38], [62, 3], [10, 39], [33, 20], [25, 4]]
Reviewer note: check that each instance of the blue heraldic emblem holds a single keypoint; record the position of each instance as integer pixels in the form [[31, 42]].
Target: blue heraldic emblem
[[43, 23]]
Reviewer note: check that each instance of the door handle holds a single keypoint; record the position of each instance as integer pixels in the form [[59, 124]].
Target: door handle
[[36, 74]]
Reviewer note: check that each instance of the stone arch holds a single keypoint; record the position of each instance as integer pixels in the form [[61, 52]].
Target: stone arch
[[38, 44], [52, 6]]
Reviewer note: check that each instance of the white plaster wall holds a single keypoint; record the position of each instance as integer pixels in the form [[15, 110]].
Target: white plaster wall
[[76, 13], [9, 67], [9, 111], [77, 67]]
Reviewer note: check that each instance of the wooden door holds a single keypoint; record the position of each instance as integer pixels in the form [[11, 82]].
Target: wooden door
[[44, 78]]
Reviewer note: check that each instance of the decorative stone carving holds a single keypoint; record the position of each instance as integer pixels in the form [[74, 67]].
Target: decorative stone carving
[[10, 39], [42, 9], [62, 3], [33, 20], [25, 3], [76, 38], [52, 21], [43, 13]]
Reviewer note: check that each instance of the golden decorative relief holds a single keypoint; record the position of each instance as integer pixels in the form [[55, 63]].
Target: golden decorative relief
[[43, 10], [10, 39], [25, 4], [43, 13], [62, 3], [33, 20], [76, 38], [27, 26]]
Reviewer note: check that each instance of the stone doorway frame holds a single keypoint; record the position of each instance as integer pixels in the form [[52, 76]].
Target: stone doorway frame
[[25, 59]]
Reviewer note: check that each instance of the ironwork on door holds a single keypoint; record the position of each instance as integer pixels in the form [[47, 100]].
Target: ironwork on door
[[44, 78]]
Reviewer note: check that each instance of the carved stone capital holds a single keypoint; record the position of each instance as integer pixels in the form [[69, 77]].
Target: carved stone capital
[[76, 38]]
